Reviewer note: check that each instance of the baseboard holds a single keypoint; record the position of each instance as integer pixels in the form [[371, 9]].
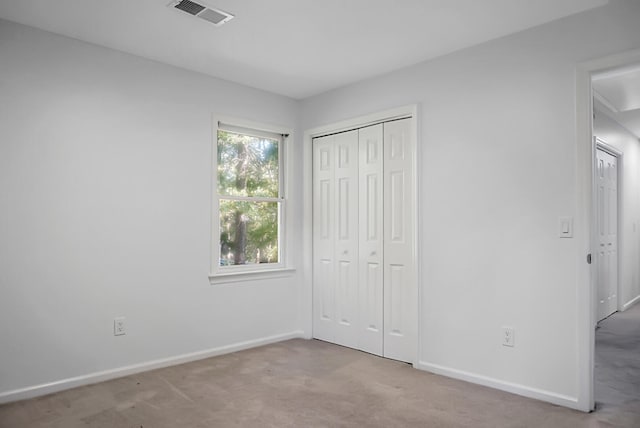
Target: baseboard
[[525, 391], [60, 385], [630, 303]]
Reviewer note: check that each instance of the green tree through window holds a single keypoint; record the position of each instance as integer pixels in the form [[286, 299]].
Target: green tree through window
[[249, 198]]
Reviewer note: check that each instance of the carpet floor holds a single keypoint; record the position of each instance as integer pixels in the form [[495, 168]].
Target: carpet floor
[[309, 383]]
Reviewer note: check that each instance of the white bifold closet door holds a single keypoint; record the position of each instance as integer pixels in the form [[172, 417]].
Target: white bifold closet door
[[371, 240], [335, 235], [364, 291], [400, 288]]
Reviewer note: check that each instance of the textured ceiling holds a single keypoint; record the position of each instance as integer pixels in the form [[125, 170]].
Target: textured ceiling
[[296, 48]]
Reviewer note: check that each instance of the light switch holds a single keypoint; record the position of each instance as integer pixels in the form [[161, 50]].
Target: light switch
[[565, 228]]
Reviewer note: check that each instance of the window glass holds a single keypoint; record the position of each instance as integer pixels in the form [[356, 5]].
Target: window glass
[[248, 232], [249, 197], [247, 165]]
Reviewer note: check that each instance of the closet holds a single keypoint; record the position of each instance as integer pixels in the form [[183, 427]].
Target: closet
[[364, 282]]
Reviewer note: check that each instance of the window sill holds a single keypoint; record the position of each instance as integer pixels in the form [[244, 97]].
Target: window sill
[[250, 275]]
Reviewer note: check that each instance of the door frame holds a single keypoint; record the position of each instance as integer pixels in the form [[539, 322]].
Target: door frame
[[306, 294], [585, 226], [602, 145]]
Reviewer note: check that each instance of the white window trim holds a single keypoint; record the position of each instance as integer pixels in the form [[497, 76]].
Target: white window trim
[[234, 274]]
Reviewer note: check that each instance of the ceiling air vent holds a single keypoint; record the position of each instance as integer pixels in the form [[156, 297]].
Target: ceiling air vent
[[214, 16]]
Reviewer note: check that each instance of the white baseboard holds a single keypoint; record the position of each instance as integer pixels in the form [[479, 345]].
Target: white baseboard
[[525, 391], [630, 303], [60, 385]]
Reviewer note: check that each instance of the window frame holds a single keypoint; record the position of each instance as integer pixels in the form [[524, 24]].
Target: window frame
[[238, 273]]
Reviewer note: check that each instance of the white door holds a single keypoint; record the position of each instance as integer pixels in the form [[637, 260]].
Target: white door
[[335, 238], [371, 239], [364, 285], [400, 291], [607, 218]]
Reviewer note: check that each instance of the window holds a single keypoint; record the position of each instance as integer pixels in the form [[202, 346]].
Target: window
[[249, 202]]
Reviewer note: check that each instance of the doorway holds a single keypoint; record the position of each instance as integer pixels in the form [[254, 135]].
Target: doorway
[[616, 109], [588, 102]]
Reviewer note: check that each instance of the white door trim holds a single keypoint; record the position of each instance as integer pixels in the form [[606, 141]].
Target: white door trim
[[602, 145], [306, 294], [585, 224]]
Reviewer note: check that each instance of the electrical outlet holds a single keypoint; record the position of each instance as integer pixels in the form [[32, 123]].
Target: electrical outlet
[[508, 337], [118, 326]]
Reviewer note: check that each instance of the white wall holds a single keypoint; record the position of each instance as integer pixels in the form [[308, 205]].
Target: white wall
[[497, 158], [105, 207], [620, 138]]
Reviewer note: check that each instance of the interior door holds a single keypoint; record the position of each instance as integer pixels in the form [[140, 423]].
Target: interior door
[[607, 217], [335, 238]]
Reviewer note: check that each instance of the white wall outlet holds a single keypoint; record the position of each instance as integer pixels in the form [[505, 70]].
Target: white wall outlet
[[508, 337], [119, 326]]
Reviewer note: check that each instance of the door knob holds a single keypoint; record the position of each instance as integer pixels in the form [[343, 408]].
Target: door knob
[[373, 253]]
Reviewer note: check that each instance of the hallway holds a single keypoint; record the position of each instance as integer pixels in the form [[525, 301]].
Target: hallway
[[617, 373]]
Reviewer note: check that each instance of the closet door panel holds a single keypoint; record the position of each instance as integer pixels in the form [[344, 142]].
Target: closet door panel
[[371, 239], [346, 242], [335, 238], [400, 296], [324, 299]]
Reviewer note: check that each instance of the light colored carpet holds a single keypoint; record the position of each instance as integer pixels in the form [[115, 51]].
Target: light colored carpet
[[302, 383]]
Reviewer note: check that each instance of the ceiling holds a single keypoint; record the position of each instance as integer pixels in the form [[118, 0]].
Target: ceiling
[[617, 94], [296, 48]]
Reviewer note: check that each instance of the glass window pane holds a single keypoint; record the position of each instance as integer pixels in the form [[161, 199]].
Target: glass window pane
[[248, 232], [247, 166]]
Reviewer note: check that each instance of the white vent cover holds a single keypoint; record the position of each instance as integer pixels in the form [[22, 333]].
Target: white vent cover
[[214, 16]]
